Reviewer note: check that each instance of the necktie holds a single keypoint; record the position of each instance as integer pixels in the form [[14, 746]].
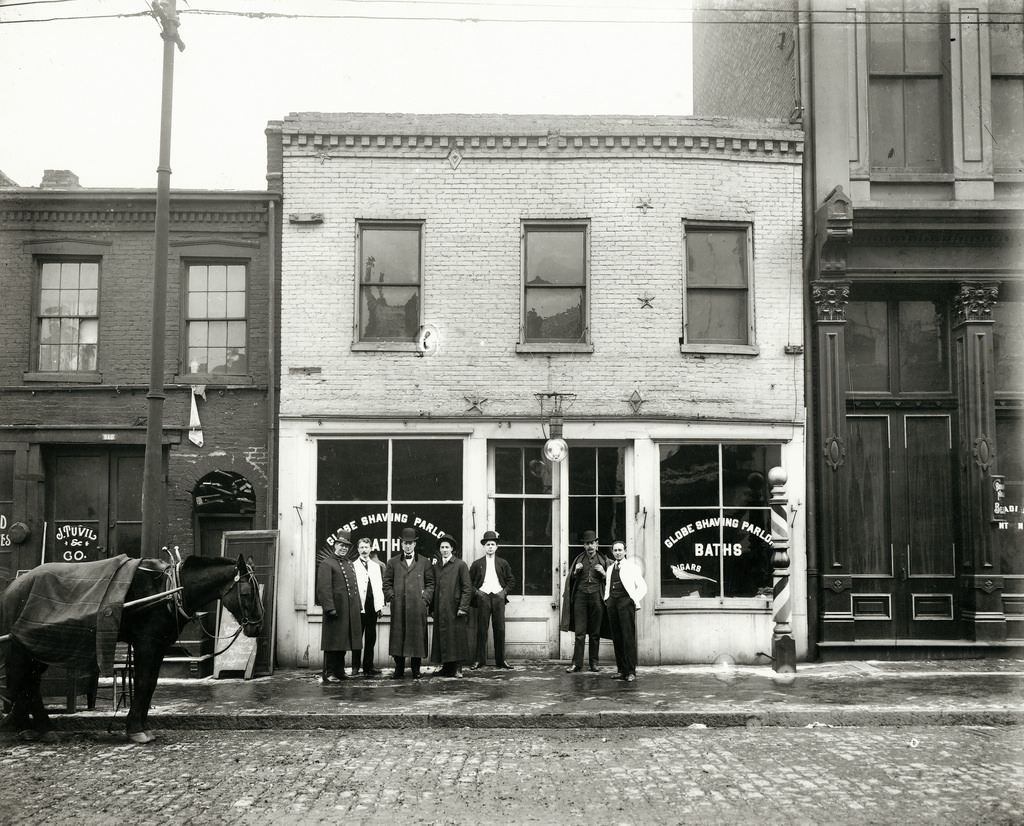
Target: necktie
[[364, 564]]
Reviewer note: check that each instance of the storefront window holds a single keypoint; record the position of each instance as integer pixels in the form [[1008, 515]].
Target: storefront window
[[377, 487], [522, 516], [715, 520], [597, 495]]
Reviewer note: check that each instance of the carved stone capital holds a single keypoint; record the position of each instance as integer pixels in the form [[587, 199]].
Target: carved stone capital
[[830, 299], [974, 302]]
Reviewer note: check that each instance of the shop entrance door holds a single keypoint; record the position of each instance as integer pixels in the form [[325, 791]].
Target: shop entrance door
[[902, 526], [93, 503]]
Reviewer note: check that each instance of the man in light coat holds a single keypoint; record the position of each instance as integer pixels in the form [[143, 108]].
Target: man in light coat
[[371, 598], [408, 584], [624, 587]]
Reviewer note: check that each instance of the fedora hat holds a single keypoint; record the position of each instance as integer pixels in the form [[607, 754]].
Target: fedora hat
[[451, 540]]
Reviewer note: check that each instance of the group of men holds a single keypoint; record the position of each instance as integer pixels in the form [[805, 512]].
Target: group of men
[[601, 598]]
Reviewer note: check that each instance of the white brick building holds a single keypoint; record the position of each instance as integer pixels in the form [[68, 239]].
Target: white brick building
[[449, 280]]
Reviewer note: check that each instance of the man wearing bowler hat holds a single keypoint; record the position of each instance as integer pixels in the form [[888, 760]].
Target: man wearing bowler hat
[[492, 579], [583, 610], [409, 586]]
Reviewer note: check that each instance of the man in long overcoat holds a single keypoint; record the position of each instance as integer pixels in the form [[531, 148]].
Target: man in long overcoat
[[409, 587], [452, 596], [337, 592], [583, 610]]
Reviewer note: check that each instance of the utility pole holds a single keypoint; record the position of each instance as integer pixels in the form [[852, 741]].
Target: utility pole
[[153, 494]]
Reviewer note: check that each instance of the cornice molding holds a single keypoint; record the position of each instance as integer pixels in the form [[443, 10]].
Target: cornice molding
[[26, 216]]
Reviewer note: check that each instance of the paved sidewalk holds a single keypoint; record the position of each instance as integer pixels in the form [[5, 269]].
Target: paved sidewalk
[[542, 695]]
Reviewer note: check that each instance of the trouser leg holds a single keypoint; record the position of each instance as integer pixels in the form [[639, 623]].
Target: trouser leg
[[483, 621]]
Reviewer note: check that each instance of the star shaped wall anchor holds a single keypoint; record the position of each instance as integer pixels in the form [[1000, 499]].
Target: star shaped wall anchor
[[644, 205], [475, 403], [635, 401], [645, 301], [323, 157]]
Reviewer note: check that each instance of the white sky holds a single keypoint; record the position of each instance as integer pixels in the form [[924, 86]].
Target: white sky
[[84, 94]]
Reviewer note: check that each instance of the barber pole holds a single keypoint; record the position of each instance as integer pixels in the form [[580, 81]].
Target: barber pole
[[783, 644]]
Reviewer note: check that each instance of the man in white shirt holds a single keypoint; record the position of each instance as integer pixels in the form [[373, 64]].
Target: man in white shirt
[[492, 580], [371, 598]]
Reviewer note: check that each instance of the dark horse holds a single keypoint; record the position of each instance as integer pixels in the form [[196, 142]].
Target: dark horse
[[159, 601]]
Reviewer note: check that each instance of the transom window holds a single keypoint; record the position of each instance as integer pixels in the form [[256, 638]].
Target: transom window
[[216, 320], [555, 273], [69, 316], [718, 313], [905, 87], [390, 281], [715, 520]]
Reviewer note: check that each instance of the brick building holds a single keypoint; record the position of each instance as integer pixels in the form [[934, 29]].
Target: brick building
[[914, 214], [76, 275], [456, 289]]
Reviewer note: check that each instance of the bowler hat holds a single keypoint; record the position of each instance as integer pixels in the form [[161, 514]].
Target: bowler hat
[[489, 536], [342, 537], [409, 535], [449, 539], [589, 536]]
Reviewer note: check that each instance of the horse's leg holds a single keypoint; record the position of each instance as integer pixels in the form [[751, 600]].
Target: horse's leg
[[41, 728], [23, 678], [148, 654]]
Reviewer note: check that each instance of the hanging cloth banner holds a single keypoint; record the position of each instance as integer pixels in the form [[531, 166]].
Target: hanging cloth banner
[[195, 427]]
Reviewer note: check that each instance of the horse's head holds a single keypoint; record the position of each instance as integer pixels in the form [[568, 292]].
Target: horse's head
[[242, 599]]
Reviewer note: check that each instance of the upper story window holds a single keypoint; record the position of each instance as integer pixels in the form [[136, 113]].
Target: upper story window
[[718, 314], [907, 76], [1006, 39], [68, 316], [390, 282], [216, 320], [555, 279]]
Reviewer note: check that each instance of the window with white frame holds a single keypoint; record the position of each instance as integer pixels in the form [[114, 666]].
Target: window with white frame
[[390, 281], [216, 321], [715, 520], [718, 311], [555, 280], [68, 316]]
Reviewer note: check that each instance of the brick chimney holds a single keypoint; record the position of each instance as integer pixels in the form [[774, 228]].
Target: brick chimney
[[59, 179]]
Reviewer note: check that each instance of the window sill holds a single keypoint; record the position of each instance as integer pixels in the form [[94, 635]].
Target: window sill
[[909, 176], [683, 605], [384, 347], [720, 349], [64, 377], [217, 379], [554, 347]]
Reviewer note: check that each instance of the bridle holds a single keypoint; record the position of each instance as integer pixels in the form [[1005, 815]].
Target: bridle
[[244, 586]]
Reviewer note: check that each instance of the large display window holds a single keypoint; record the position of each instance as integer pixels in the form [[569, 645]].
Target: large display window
[[376, 487], [715, 522]]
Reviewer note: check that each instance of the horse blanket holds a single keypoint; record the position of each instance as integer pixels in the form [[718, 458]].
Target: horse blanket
[[69, 613]]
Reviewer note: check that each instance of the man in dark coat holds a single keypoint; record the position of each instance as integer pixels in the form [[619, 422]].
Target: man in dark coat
[[583, 611], [452, 596], [337, 591], [492, 579], [409, 587]]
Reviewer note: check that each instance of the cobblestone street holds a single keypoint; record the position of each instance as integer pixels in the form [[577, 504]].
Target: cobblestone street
[[934, 775]]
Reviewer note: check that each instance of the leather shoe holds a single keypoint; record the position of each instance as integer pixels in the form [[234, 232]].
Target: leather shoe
[[631, 678], [619, 677], [594, 668], [330, 678], [372, 672], [573, 669], [506, 666], [416, 675], [476, 666], [397, 675]]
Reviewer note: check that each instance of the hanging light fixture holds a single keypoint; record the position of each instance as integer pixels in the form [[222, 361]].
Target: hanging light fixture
[[555, 448]]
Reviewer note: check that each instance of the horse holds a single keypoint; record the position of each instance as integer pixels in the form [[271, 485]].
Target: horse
[[160, 600]]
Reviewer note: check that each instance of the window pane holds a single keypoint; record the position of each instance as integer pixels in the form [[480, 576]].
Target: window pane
[[236, 278], [49, 302], [867, 345], [743, 476], [555, 257], [1008, 346], [235, 307], [690, 565], [514, 557], [554, 314], [610, 470], [216, 305], [236, 334], [352, 470], [885, 122], [390, 255], [50, 276], [389, 313], [198, 333], [218, 278], [716, 258], [611, 519], [88, 302], [716, 316], [747, 553], [197, 305], [1008, 123], [197, 279], [88, 332], [49, 357], [427, 469], [538, 471], [689, 475], [923, 123], [924, 346], [1009, 544], [582, 471], [536, 578], [89, 276], [217, 333], [508, 470], [508, 520], [69, 276], [537, 521]]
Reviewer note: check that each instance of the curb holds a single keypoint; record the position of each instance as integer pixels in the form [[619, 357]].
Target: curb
[[836, 718]]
